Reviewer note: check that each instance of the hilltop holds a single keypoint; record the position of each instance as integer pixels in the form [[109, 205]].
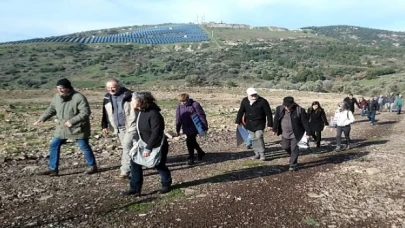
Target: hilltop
[[320, 59]]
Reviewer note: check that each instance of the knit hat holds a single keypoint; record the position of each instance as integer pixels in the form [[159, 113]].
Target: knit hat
[[65, 83], [288, 101]]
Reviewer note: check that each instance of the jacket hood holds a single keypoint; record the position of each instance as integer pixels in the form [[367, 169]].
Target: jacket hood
[[189, 102], [154, 106]]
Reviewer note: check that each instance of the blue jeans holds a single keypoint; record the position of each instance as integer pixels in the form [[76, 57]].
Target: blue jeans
[[249, 141], [362, 112], [54, 152], [371, 116], [164, 172], [399, 107]]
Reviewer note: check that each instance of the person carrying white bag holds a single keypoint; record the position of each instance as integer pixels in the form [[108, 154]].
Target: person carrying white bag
[[151, 146]]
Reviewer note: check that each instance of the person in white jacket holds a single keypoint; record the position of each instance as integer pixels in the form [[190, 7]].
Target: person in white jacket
[[344, 118]]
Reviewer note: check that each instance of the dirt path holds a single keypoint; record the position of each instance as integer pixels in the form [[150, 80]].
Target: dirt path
[[226, 190]]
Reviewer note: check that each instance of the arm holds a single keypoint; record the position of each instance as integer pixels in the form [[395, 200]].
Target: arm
[[267, 111], [305, 122], [356, 102], [49, 112], [276, 120], [351, 117], [241, 111], [178, 119], [84, 111], [201, 114], [104, 118], [156, 126], [323, 116]]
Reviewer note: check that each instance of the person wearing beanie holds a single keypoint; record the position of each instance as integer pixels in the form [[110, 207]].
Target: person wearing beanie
[[291, 122], [119, 117], [72, 112], [256, 110]]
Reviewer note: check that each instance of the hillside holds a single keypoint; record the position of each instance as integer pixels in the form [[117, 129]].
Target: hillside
[[360, 34], [311, 60]]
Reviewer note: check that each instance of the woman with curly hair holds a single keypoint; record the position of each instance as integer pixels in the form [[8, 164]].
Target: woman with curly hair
[[317, 121]]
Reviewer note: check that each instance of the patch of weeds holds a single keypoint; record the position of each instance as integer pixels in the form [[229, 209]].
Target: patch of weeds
[[374, 139], [251, 164], [2, 116], [141, 207], [173, 195], [363, 159], [311, 222]]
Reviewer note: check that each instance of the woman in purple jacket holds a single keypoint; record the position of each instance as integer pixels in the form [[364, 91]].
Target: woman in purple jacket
[[184, 110]]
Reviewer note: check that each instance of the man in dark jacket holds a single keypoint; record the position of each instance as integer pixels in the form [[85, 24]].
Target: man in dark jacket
[[291, 122], [120, 118], [372, 107], [72, 111], [351, 101], [256, 109]]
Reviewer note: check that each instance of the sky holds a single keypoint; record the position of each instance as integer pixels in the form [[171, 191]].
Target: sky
[[26, 19]]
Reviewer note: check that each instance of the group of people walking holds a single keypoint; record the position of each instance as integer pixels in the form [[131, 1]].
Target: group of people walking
[[135, 117], [129, 115]]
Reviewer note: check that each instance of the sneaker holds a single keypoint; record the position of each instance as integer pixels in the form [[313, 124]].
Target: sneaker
[[131, 192], [293, 168], [262, 157], [371, 124], [348, 147], [124, 175], [190, 162], [255, 157], [249, 147], [200, 156], [49, 172], [164, 190], [337, 148], [91, 170]]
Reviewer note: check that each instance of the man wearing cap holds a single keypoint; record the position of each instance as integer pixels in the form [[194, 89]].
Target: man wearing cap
[[256, 110], [291, 122], [119, 117], [72, 112]]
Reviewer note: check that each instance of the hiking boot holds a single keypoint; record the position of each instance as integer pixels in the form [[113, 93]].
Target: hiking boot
[[262, 157], [131, 192], [190, 161], [200, 156], [249, 147], [91, 170], [49, 172], [293, 168], [337, 149], [164, 190], [257, 156]]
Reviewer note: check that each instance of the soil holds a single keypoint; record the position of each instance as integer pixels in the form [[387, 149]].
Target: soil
[[226, 189]]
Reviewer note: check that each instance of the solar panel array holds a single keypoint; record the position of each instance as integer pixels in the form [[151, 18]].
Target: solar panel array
[[154, 35]]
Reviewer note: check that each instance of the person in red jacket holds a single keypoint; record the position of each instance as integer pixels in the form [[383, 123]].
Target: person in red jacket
[[363, 104]]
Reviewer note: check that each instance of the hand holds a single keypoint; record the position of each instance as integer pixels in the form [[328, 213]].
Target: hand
[[274, 133], [105, 131], [68, 124], [38, 122], [146, 153], [308, 136], [268, 129]]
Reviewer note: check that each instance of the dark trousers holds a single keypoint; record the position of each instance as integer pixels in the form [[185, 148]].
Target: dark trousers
[[191, 142], [346, 131], [290, 145], [317, 135], [164, 172]]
